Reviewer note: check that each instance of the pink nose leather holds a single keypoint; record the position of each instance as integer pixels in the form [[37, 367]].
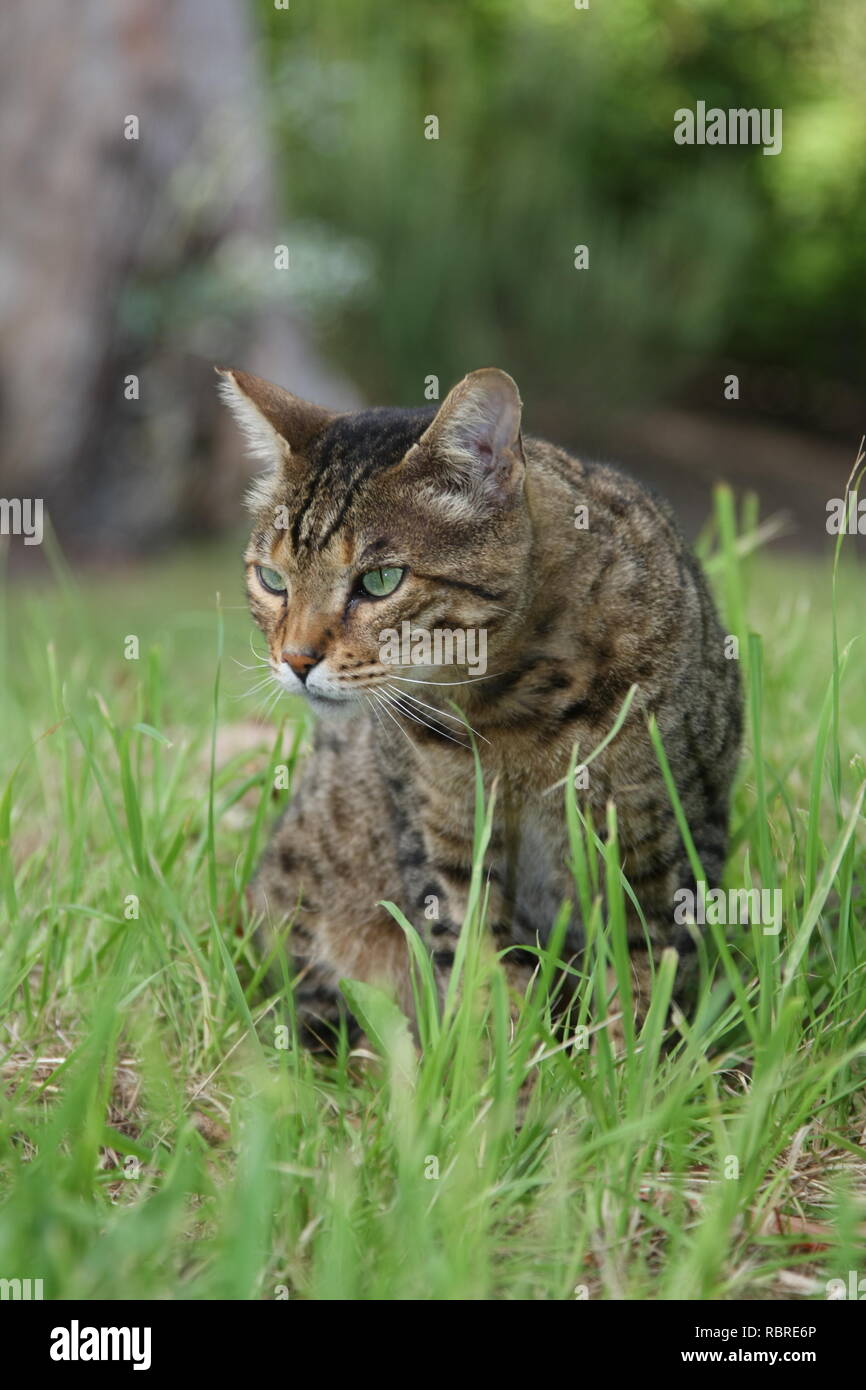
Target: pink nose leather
[[301, 663]]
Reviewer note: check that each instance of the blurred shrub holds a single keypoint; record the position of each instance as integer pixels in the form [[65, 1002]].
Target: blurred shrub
[[556, 129]]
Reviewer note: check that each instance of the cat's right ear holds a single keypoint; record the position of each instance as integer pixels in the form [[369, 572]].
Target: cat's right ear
[[276, 423], [474, 440]]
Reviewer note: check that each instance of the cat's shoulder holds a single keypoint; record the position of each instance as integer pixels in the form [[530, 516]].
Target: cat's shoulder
[[595, 480]]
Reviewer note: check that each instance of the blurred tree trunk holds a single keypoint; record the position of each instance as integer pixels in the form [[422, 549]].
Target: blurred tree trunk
[[150, 257]]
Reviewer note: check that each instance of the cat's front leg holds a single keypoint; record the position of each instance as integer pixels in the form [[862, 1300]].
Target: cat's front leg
[[440, 892], [319, 919]]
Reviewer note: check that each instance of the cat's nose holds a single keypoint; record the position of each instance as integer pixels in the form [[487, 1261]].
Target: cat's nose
[[302, 663]]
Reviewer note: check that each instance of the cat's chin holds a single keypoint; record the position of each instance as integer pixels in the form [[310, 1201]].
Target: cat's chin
[[324, 708]]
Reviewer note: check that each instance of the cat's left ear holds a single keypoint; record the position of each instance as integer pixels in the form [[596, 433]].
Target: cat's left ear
[[276, 423], [475, 436]]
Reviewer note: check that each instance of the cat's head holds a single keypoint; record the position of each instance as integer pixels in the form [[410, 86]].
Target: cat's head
[[381, 525]]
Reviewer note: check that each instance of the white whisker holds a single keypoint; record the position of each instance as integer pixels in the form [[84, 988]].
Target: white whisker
[[469, 681], [464, 723], [245, 667], [411, 714], [254, 689], [369, 700], [381, 702]]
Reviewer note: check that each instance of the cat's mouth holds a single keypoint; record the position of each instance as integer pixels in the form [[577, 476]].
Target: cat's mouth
[[321, 694]]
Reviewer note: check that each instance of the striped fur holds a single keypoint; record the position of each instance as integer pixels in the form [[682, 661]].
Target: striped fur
[[483, 523]]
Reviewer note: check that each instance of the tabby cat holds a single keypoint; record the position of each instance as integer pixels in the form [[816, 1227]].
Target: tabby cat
[[449, 519]]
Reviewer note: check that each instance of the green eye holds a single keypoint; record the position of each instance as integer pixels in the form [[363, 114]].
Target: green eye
[[271, 580], [378, 583]]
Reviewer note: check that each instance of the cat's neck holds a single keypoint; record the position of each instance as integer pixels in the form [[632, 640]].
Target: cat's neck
[[559, 565]]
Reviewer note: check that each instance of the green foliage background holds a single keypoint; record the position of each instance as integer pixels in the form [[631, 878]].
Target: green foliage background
[[556, 128]]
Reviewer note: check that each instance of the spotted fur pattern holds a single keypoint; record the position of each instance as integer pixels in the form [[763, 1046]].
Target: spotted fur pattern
[[482, 522]]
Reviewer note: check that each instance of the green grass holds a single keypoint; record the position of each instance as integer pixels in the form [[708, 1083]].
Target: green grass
[[157, 1140]]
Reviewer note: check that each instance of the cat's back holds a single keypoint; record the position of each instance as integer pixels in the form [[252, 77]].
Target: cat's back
[[604, 489], [633, 604]]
